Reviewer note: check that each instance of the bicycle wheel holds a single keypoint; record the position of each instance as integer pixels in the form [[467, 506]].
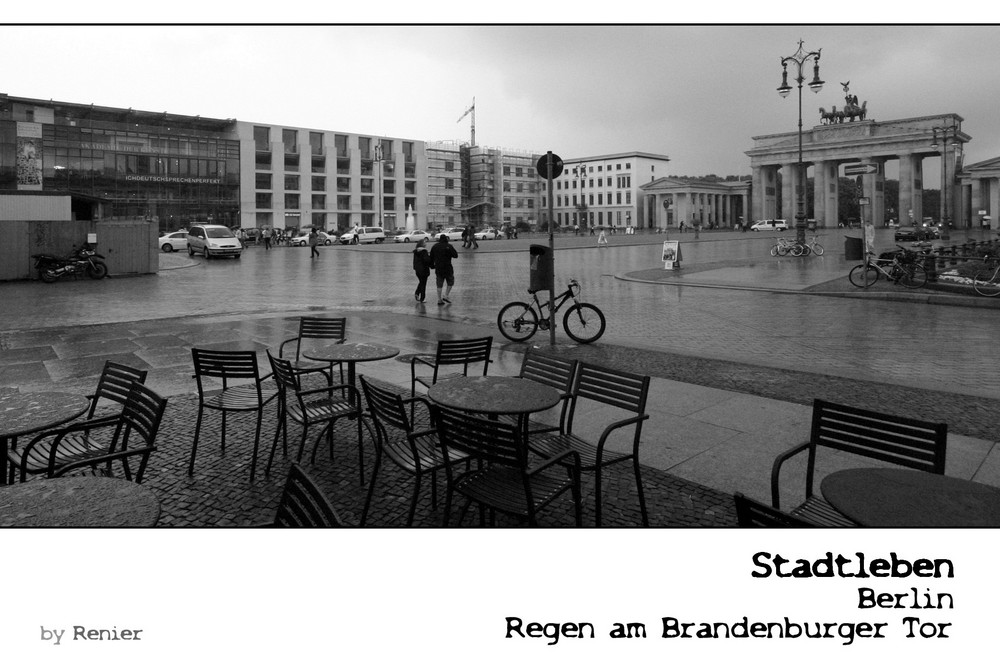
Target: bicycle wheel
[[806, 250], [817, 248], [584, 323], [517, 321], [863, 275], [782, 250], [795, 250], [774, 250], [913, 276], [987, 282]]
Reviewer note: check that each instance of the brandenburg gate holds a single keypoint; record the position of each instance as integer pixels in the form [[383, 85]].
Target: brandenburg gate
[[837, 142]]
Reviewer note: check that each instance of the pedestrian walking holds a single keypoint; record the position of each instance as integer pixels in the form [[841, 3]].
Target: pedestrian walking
[[313, 243], [473, 243], [267, 238], [422, 267], [602, 239], [444, 273], [465, 237], [680, 227], [576, 230], [274, 236]]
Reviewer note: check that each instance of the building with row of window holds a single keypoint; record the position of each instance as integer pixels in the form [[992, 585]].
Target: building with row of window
[[172, 170]]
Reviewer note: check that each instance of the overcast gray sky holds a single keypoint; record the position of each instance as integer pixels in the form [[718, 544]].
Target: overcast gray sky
[[696, 93]]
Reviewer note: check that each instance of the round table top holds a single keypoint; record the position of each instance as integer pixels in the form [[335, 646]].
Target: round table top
[[496, 395], [83, 502], [37, 411], [901, 498], [350, 352]]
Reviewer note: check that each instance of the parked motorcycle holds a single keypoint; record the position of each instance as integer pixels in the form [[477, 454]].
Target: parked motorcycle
[[85, 260]]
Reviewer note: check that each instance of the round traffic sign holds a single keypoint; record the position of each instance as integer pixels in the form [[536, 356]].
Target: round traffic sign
[[543, 166]]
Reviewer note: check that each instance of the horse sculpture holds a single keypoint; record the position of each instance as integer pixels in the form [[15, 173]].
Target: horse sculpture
[[850, 112]]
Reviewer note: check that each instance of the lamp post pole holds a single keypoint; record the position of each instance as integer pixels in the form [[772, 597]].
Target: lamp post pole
[[945, 203], [799, 59], [378, 168]]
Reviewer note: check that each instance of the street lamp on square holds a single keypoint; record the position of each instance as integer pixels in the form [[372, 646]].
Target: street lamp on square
[[799, 59]]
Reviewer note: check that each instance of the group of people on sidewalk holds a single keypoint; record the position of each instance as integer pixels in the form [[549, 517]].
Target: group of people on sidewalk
[[439, 259]]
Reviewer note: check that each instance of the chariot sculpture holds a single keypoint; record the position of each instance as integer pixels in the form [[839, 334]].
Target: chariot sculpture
[[850, 111]]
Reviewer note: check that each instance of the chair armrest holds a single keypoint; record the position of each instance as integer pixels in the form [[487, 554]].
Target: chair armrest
[[776, 470], [103, 458], [558, 458], [423, 400], [281, 348], [422, 359], [614, 426], [327, 389], [89, 425]]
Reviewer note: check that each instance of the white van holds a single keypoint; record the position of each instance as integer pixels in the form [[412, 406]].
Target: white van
[[362, 235]]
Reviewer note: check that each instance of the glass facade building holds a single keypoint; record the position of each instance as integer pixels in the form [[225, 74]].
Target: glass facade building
[[120, 163]]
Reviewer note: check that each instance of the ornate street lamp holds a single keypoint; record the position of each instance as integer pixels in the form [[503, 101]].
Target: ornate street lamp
[[945, 204], [799, 59], [377, 158]]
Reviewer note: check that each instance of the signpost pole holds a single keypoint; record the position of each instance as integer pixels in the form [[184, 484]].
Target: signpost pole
[[552, 251]]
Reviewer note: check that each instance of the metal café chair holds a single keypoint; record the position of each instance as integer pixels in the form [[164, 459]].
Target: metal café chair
[[303, 504], [328, 329], [242, 391], [460, 354]]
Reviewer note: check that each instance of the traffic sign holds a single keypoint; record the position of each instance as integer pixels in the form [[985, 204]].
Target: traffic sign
[[543, 166], [853, 169]]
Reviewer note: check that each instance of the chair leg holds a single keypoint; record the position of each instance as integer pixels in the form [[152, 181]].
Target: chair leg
[[371, 484], [256, 443], [194, 445], [577, 499], [274, 445], [223, 431], [361, 452], [642, 497], [413, 500]]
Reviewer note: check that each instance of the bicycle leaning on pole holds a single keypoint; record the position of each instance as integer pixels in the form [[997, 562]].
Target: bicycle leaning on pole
[[902, 267], [583, 322]]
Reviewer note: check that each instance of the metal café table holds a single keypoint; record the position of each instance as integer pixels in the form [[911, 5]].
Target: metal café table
[[23, 414], [78, 502], [901, 498], [495, 396], [350, 354]]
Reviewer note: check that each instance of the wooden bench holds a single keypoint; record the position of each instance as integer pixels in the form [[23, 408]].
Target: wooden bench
[[901, 441]]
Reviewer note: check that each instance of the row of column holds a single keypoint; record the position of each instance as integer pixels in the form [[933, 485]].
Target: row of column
[[826, 177], [717, 210]]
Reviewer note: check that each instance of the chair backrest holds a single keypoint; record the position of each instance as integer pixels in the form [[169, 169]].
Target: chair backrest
[[224, 364], [284, 373], [386, 407], [114, 384], [753, 514], [303, 504], [141, 416], [483, 439], [899, 440], [464, 352], [326, 328], [620, 389], [552, 371]]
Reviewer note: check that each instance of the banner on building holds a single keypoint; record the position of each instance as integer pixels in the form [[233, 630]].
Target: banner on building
[[29, 156]]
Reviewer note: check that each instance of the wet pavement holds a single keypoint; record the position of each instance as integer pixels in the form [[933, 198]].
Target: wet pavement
[[738, 343]]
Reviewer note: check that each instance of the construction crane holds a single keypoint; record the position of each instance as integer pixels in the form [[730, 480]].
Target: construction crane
[[471, 110]]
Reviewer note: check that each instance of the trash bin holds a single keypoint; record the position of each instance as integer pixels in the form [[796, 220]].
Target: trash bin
[[541, 268], [854, 248]]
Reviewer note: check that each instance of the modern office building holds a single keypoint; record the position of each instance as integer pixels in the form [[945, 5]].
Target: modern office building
[[299, 177], [121, 163], [604, 191]]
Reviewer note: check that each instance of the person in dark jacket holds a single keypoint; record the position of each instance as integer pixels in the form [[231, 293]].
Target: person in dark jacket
[[422, 267], [441, 255]]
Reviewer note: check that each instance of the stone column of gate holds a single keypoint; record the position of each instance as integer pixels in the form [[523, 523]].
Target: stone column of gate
[[788, 185], [758, 184], [820, 174], [910, 191], [831, 196]]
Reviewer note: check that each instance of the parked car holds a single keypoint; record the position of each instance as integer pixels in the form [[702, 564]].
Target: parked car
[[488, 234], [912, 234], [302, 238], [454, 233], [213, 241], [412, 236], [173, 241], [362, 235], [769, 225]]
